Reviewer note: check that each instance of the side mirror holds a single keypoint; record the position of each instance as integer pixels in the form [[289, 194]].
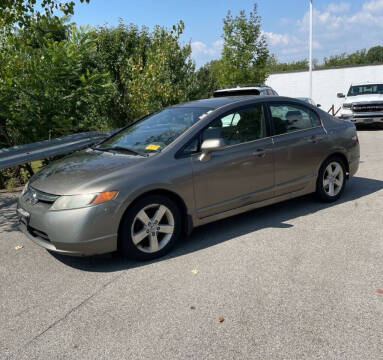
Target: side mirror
[[340, 95], [209, 146], [319, 105]]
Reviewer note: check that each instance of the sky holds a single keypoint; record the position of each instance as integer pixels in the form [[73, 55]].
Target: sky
[[339, 26]]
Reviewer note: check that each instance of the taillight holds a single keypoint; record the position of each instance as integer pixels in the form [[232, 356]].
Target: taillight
[[355, 138]]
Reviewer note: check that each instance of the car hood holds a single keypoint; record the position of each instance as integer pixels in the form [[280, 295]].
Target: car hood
[[364, 98], [84, 172]]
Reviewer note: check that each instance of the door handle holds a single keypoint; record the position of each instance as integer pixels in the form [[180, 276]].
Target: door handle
[[260, 153]]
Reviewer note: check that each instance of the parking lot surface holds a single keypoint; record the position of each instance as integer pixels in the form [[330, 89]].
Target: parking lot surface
[[297, 280]]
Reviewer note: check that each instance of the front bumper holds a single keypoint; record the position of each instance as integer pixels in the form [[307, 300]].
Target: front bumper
[[86, 231], [87, 248]]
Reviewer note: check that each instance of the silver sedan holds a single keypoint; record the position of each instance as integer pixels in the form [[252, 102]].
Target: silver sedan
[[144, 188]]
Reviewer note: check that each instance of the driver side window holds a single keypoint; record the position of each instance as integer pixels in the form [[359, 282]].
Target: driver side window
[[238, 127]]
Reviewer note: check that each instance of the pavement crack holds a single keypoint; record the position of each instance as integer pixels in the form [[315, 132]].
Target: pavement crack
[[73, 309]]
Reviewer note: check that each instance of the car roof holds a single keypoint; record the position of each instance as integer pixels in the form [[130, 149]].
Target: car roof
[[214, 103]]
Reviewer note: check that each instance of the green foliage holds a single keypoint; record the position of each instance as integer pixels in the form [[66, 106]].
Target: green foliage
[[206, 80], [24, 12], [245, 53], [114, 47], [361, 57], [357, 58], [50, 85], [375, 55], [275, 66], [58, 79], [150, 70]]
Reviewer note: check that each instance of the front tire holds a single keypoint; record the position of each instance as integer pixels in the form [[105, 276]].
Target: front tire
[[331, 180], [150, 228]]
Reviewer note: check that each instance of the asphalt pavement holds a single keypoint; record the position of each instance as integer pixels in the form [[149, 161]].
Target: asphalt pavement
[[297, 280]]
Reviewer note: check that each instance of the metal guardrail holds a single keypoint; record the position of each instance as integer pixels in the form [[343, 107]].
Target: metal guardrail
[[22, 154], [332, 110]]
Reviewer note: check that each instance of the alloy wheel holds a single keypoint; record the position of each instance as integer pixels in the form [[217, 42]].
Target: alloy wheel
[[333, 179], [152, 228]]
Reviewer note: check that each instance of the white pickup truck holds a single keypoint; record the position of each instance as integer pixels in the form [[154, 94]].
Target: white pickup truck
[[363, 103]]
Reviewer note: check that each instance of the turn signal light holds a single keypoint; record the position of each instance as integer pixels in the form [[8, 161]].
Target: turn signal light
[[104, 196]]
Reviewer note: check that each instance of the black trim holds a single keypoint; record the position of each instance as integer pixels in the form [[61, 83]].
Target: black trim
[[236, 92], [179, 154], [269, 120], [365, 116], [37, 233]]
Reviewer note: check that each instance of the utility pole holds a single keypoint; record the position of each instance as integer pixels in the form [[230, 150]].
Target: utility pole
[[311, 51]]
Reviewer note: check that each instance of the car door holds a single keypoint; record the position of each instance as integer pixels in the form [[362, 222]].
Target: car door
[[298, 138], [243, 172]]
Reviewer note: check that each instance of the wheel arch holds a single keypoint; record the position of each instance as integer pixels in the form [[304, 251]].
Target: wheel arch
[[339, 154], [187, 223]]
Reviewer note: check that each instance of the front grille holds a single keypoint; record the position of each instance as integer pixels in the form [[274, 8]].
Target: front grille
[[34, 196], [370, 116], [367, 107]]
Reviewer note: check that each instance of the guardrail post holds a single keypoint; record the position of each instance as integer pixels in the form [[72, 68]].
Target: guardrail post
[[332, 110]]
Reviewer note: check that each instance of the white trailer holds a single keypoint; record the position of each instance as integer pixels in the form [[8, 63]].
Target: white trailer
[[327, 83]]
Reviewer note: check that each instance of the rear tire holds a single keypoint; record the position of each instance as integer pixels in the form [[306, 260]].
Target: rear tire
[[331, 180], [150, 228]]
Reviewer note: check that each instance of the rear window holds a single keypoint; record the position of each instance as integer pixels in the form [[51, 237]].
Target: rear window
[[290, 117]]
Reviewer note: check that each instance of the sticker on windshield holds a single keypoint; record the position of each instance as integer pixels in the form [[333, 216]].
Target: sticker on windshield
[[153, 147]]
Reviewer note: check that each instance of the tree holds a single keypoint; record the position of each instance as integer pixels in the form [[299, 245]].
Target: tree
[[58, 79], [150, 69], [24, 12], [244, 53], [206, 80], [49, 85], [115, 46], [375, 55], [163, 76], [274, 66], [356, 58]]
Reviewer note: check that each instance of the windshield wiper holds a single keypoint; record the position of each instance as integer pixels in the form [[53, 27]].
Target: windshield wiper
[[120, 149]]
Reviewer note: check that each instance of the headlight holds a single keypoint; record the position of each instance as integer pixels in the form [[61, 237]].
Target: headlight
[[79, 201], [347, 106]]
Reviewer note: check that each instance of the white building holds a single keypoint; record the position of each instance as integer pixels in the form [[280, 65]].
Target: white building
[[326, 83]]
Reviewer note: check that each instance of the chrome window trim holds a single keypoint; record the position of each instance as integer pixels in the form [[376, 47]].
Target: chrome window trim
[[296, 131]]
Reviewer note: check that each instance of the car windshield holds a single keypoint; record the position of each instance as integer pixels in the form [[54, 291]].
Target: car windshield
[[154, 133], [365, 89]]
